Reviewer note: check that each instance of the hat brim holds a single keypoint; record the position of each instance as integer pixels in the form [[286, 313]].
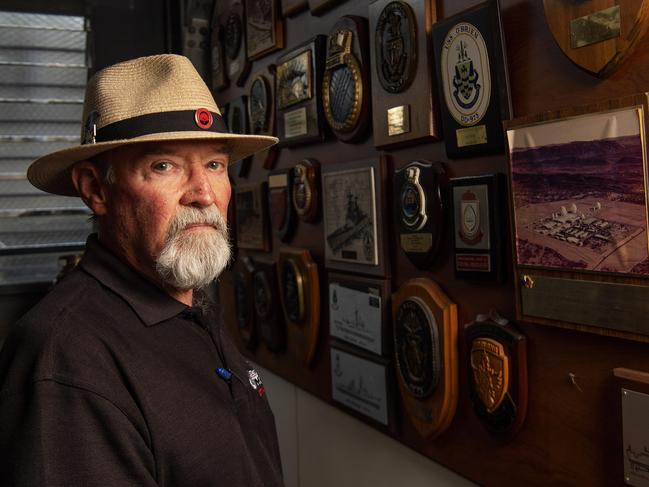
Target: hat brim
[[53, 173]]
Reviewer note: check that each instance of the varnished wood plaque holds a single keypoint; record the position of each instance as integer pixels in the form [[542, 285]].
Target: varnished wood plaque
[[298, 91], [581, 250], [220, 80], [270, 325], [299, 287], [401, 56], [264, 28], [244, 300], [497, 365], [306, 189], [280, 202], [251, 215], [346, 82], [261, 113], [425, 345], [238, 123], [233, 20], [597, 35]]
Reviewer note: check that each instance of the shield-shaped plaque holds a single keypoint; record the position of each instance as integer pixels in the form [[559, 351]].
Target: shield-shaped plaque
[[597, 36], [261, 113], [282, 213], [306, 192], [271, 328], [490, 366]]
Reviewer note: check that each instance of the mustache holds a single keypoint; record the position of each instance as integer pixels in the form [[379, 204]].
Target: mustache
[[190, 215]]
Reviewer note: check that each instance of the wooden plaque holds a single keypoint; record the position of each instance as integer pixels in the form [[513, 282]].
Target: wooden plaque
[[244, 300], [280, 202], [402, 85], [261, 113], [299, 287], [237, 65], [425, 343], [346, 82], [306, 189], [270, 325], [196, 36], [419, 210], [264, 28], [251, 216], [291, 8], [238, 123], [298, 91], [497, 366], [220, 80], [600, 34]]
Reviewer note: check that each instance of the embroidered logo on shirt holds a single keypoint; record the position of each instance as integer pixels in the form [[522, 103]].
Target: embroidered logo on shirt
[[255, 382]]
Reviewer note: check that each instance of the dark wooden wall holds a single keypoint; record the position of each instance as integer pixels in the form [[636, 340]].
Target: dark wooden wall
[[571, 434]]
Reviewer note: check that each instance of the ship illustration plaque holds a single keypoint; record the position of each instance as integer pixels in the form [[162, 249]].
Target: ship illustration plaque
[[261, 113], [300, 295], [352, 202], [497, 374], [345, 86], [478, 228], [244, 300], [298, 91], [402, 99], [425, 347], [272, 330], [264, 28], [306, 189], [359, 311], [237, 65], [251, 216], [419, 210], [361, 384], [473, 83], [282, 213]]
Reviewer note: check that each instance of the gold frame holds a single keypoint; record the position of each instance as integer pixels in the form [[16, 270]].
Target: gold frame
[[282, 103]]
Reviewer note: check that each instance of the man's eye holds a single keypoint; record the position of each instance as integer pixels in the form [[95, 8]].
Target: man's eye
[[162, 166], [215, 165]]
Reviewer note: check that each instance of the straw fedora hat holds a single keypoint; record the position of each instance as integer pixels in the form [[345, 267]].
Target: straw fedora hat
[[154, 98]]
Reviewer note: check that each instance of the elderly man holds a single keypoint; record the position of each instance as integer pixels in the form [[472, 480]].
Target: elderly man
[[123, 374]]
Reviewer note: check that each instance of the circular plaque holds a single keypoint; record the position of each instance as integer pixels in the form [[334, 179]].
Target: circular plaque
[[263, 296], [466, 78], [413, 205], [241, 298], [342, 93], [417, 347], [293, 291], [233, 34], [258, 106], [304, 193], [396, 46]]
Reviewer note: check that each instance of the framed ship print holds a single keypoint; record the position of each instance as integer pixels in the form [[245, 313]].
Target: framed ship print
[[353, 204], [472, 80], [359, 312], [264, 28], [261, 113], [251, 216], [298, 91], [497, 356], [424, 323], [403, 110], [237, 65], [478, 206], [299, 290], [579, 217], [346, 83]]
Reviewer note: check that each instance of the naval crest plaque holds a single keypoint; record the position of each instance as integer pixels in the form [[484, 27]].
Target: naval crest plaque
[[306, 189], [271, 328]]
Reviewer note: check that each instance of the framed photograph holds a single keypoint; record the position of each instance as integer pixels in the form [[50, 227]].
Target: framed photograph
[[579, 215], [298, 90], [359, 312], [472, 80], [251, 214], [403, 110], [353, 208], [478, 207], [264, 28]]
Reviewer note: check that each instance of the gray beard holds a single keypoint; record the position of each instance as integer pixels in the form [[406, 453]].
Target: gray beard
[[192, 260]]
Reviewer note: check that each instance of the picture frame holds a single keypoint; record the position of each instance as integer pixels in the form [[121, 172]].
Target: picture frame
[[264, 28], [353, 204], [581, 243], [359, 312], [251, 216], [472, 80]]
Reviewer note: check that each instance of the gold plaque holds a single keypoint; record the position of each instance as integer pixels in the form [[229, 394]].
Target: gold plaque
[[416, 242], [398, 120], [490, 366], [596, 27], [295, 123], [294, 80], [471, 135]]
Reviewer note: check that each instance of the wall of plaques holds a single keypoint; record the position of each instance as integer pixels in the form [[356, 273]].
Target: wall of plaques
[[450, 241]]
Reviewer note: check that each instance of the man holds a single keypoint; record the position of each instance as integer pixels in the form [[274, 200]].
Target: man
[[123, 374]]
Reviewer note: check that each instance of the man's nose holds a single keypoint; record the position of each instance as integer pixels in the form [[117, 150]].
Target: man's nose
[[199, 190]]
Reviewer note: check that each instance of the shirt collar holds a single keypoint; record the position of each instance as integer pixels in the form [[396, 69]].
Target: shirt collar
[[149, 302]]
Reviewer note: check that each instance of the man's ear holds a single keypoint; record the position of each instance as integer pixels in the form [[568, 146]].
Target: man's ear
[[88, 182]]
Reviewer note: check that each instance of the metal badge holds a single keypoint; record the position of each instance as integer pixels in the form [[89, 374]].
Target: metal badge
[[413, 200], [293, 290], [490, 367], [396, 41], [232, 35], [417, 347], [342, 85], [305, 192], [470, 229], [255, 382]]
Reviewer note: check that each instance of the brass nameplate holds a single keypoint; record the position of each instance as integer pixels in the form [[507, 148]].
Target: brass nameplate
[[278, 180], [398, 120], [471, 136], [295, 123], [622, 307], [416, 242], [233, 68], [596, 27]]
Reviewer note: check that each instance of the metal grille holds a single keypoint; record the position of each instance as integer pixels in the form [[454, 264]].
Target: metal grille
[[43, 72]]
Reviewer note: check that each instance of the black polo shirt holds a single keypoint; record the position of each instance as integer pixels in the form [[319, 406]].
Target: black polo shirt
[[109, 381]]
